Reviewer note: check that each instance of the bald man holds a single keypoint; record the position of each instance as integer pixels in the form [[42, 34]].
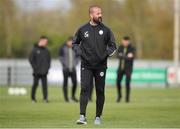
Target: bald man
[[94, 42]]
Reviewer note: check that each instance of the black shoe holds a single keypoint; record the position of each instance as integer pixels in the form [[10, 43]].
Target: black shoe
[[74, 99], [127, 100], [34, 101], [118, 100], [45, 101], [67, 100]]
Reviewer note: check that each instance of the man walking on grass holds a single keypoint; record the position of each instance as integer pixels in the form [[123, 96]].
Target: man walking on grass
[[94, 42]]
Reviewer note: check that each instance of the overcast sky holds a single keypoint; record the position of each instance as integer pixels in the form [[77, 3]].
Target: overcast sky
[[43, 4]]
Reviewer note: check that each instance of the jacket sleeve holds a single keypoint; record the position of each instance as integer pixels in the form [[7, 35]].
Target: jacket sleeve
[[49, 58], [119, 53], [111, 46], [76, 43], [61, 55], [32, 59], [132, 50], [76, 57]]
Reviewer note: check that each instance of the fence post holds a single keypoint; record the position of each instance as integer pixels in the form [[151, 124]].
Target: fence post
[[9, 70]]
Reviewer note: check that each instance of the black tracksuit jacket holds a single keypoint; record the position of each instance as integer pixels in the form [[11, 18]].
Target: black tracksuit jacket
[[40, 60], [128, 61], [94, 44]]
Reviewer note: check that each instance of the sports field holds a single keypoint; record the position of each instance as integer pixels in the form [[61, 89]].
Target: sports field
[[149, 107]]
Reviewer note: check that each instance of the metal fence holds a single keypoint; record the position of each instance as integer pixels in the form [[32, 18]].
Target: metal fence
[[19, 72], [14, 72]]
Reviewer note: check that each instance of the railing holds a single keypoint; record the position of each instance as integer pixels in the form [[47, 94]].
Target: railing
[[18, 72]]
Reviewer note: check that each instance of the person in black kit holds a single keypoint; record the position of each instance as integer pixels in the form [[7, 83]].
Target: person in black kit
[[69, 60], [40, 61], [125, 54], [94, 42]]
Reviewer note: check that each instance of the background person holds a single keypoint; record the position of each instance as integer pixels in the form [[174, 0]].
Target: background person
[[125, 54], [40, 60], [69, 61]]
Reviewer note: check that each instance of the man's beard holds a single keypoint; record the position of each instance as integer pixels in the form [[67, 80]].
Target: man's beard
[[97, 20]]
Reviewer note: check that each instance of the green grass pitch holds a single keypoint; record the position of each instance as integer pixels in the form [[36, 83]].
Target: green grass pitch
[[149, 107]]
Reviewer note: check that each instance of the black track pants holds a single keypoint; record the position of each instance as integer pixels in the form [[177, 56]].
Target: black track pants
[[86, 86], [35, 85]]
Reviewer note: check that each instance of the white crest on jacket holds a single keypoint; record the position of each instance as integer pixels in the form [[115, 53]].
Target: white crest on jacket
[[86, 34], [101, 32]]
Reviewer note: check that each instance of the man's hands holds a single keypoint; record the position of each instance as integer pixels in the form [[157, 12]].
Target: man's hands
[[129, 55]]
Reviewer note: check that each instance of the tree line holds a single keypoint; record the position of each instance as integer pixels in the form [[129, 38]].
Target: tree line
[[149, 23]]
